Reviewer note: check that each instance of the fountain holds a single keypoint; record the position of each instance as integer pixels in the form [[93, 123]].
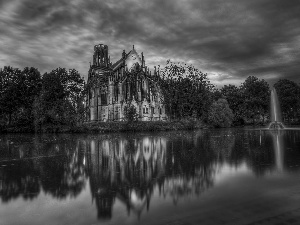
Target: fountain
[[277, 130], [276, 121]]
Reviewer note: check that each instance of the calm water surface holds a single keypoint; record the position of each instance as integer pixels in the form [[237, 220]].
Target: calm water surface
[[230, 176]]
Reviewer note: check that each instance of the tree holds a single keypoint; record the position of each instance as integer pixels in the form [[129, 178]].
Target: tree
[[18, 90], [31, 87], [234, 97], [186, 90], [289, 97], [76, 91], [10, 91], [256, 94], [217, 94], [130, 113], [220, 115], [61, 99]]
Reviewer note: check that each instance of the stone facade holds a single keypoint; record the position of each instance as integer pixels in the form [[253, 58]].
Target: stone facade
[[112, 87]]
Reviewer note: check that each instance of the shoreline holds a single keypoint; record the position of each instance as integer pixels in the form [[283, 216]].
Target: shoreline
[[121, 127], [113, 127]]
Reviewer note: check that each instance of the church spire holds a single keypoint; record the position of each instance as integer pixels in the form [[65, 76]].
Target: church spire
[[143, 62]]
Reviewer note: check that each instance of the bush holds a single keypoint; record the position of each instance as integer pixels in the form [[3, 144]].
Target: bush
[[220, 115], [130, 113]]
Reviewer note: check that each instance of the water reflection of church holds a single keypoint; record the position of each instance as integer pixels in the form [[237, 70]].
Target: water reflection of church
[[124, 169], [132, 169]]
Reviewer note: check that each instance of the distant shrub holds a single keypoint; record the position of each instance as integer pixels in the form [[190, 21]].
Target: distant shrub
[[130, 113], [220, 115]]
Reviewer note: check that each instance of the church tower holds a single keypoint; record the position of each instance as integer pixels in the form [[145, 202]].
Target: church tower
[[100, 57]]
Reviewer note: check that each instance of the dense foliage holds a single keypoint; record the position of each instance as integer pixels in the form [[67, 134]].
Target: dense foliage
[[289, 97], [256, 97], [61, 99], [187, 91], [18, 89], [234, 97], [30, 100], [219, 114], [250, 102]]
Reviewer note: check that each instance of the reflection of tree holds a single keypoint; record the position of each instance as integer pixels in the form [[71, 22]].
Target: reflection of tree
[[263, 150], [290, 144], [221, 143], [239, 146], [274, 150], [260, 153], [189, 169], [60, 178], [20, 179], [63, 175], [52, 163]]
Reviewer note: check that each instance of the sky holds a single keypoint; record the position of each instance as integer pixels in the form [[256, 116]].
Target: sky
[[227, 39]]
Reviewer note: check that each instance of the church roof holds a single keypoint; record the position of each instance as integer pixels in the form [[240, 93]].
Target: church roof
[[117, 64]]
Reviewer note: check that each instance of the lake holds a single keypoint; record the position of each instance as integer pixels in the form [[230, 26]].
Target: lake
[[222, 176]]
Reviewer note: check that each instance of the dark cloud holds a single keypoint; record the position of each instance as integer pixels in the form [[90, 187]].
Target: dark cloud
[[229, 40]]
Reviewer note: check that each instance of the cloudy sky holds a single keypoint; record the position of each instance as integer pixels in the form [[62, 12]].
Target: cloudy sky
[[228, 39]]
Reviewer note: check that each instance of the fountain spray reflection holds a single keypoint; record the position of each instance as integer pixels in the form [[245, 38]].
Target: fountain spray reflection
[[277, 137]]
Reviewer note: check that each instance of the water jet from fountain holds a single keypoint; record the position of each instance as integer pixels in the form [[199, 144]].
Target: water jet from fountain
[[276, 121]]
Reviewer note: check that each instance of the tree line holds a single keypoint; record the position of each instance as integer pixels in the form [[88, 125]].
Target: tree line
[[31, 101], [188, 93]]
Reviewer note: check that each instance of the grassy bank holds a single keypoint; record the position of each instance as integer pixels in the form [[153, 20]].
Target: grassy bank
[[101, 127], [108, 127], [17, 129]]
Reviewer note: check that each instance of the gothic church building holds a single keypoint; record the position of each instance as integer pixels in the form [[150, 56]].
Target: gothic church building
[[127, 82]]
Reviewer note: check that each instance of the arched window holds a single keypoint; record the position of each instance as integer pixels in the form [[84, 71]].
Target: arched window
[[145, 110], [116, 92], [103, 99]]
